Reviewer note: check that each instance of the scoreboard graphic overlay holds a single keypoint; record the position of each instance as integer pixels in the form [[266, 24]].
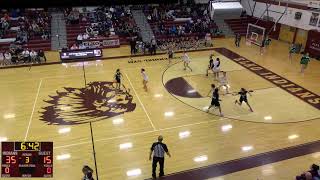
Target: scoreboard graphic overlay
[[27, 159]]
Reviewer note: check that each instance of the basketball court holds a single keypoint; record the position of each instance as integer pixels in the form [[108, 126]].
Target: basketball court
[[57, 103]]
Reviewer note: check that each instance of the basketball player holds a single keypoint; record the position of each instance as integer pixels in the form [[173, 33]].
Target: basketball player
[[243, 97], [145, 79], [170, 53], [117, 78], [214, 99], [291, 51], [267, 41], [237, 40], [304, 62], [223, 81], [216, 68], [210, 66], [87, 172], [186, 61]]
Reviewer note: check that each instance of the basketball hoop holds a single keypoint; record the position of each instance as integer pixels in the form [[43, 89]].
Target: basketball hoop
[[255, 34]]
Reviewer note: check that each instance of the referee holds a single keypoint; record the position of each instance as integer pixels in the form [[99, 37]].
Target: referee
[[158, 149]]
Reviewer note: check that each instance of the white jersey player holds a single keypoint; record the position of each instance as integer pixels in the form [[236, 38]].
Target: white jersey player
[[224, 81], [145, 79], [186, 61], [216, 68]]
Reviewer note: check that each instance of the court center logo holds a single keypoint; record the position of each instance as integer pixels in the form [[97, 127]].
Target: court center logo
[[97, 101]]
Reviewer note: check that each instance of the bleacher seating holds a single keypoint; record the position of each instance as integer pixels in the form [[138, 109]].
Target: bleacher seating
[[196, 20], [118, 21], [35, 42]]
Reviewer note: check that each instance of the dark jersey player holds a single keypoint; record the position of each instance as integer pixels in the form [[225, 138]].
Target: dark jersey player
[[210, 66], [243, 97], [117, 78], [215, 99], [87, 172]]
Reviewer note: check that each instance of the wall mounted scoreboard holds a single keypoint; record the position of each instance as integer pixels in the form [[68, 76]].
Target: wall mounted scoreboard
[[27, 159]]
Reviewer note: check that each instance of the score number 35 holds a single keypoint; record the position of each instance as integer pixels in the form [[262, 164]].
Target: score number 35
[[30, 146]]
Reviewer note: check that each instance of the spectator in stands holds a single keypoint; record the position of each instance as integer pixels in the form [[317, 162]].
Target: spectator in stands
[[79, 39], [208, 40], [26, 55], [82, 46], [14, 56], [5, 24], [73, 16], [22, 37], [74, 47], [85, 36], [34, 56], [45, 34], [133, 43], [2, 62], [153, 45], [42, 56]]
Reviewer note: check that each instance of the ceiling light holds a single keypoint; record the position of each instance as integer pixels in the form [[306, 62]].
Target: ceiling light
[[267, 117], [226, 128], [247, 148], [184, 134], [64, 130], [158, 95], [134, 172], [293, 136], [9, 116], [117, 121], [125, 146], [200, 158], [63, 156], [168, 114]]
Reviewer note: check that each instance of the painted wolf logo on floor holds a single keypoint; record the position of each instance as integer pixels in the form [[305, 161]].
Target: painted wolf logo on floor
[[97, 101]]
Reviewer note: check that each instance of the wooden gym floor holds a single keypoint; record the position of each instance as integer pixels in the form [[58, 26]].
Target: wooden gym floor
[[41, 103]]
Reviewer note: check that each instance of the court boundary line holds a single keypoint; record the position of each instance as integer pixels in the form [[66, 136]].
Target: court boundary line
[[34, 107], [232, 117], [144, 109], [263, 72]]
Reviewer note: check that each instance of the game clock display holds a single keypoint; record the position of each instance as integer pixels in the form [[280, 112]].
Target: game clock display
[[27, 159]]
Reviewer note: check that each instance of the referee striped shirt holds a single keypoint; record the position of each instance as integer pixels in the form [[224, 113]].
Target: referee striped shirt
[[159, 149]]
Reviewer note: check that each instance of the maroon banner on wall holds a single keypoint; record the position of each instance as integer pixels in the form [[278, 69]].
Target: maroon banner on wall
[[313, 43]]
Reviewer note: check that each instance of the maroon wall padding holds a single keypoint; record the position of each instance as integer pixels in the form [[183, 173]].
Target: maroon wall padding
[[313, 43]]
